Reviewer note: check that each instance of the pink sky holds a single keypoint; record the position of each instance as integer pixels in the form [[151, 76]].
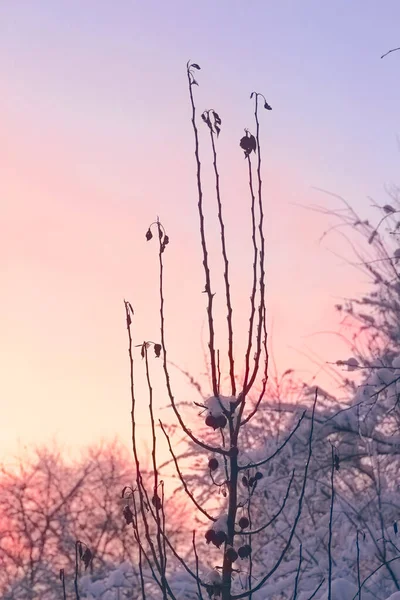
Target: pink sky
[[96, 142]]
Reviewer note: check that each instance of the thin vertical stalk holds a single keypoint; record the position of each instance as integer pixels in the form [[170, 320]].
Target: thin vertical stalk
[[137, 536], [255, 269], [296, 583], [331, 527], [358, 566], [210, 295], [226, 267], [250, 575], [62, 577], [156, 499], [76, 571], [196, 556], [139, 480], [261, 309]]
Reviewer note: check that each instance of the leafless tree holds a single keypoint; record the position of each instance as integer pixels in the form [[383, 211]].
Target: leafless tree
[[47, 504]]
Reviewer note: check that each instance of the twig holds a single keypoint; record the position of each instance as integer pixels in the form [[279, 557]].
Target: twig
[[389, 51]]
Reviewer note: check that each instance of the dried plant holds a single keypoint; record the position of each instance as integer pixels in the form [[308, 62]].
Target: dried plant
[[233, 472]]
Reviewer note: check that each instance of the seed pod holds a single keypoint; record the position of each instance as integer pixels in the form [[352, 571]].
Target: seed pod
[[244, 551], [258, 476], [243, 522], [245, 481], [219, 539], [231, 554], [211, 421], [210, 536], [221, 421], [213, 464], [156, 501]]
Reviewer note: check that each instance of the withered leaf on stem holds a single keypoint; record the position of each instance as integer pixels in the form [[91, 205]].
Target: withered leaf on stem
[[248, 144], [128, 515], [217, 118], [149, 235], [157, 350], [337, 462], [195, 66], [87, 557]]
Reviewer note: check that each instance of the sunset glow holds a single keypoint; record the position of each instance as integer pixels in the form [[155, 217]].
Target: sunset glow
[[96, 143]]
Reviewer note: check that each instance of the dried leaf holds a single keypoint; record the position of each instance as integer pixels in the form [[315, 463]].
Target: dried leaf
[[251, 95], [166, 240], [149, 235], [195, 66], [337, 462], [80, 550], [248, 144], [194, 82], [128, 515], [86, 558], [267, 106], [217, 130], [388, 209], [157, 350], [217, 118]]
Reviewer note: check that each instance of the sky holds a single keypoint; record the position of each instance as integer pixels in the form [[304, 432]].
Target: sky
[[96, 143]]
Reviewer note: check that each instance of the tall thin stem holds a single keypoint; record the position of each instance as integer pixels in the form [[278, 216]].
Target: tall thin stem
[[226, 267], [210, 295]]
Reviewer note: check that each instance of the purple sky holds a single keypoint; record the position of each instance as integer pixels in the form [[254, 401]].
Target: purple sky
[[96, 142]]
